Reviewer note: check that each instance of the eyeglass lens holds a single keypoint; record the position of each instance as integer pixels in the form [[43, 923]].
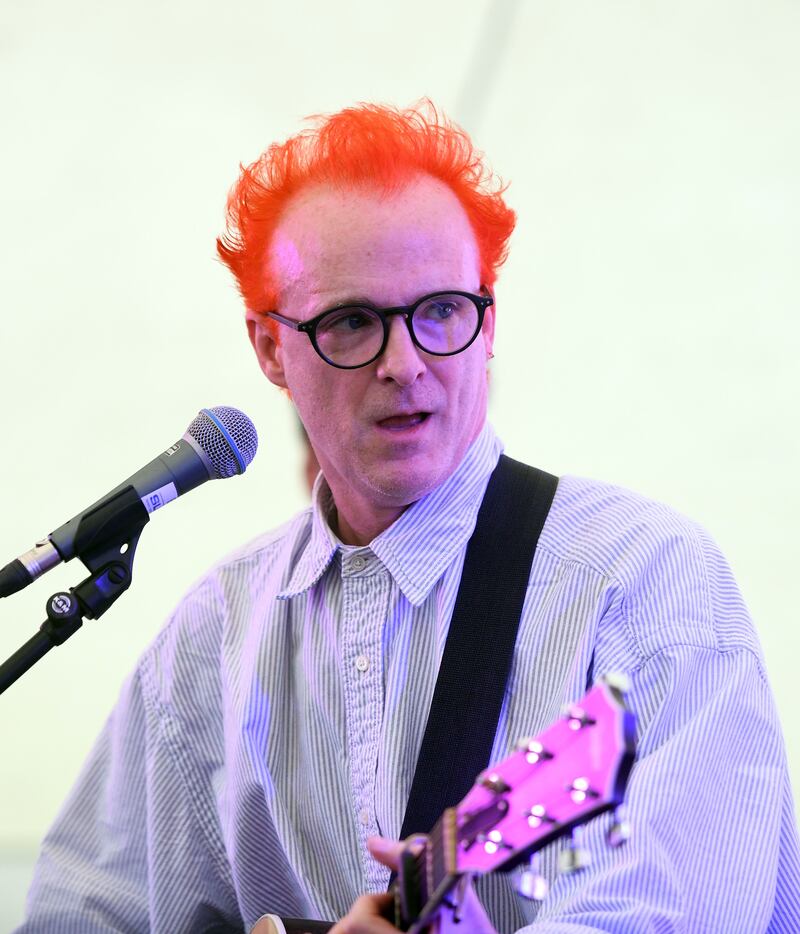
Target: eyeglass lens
[[443, 324]]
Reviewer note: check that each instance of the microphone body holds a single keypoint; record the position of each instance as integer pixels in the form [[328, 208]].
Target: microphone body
[[219, 443], [176, 471]]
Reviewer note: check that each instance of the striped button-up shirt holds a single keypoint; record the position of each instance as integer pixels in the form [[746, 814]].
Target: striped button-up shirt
[[275, 723]]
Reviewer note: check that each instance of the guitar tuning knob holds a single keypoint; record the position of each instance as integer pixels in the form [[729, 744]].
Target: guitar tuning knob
[[574, 857], [493, 782], [531, 883], [620, 830], [617, 680], [533, 749], [576, 717], [493, 841]]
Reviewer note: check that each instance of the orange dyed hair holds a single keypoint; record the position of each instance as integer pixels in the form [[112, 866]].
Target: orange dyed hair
[[367, 144]]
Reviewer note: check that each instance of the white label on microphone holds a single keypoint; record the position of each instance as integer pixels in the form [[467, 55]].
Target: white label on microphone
[[160, 497]]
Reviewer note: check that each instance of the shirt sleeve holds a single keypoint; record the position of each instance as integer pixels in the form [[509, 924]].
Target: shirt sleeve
[[707, 800], [115, 859], [714, 842]]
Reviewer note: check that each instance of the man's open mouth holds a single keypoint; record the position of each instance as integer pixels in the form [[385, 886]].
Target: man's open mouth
[[398, 422]]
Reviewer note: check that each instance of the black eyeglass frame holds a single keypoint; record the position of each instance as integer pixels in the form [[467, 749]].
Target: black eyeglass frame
[[481, 302]]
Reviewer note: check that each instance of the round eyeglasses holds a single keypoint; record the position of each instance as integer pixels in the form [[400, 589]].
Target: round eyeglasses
[[352, 336]]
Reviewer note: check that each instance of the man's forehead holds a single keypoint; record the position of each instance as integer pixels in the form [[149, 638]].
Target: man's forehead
[[325, 209], [285, 256], [331, 240]]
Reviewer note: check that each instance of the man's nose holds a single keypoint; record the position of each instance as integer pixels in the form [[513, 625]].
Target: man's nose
[[401, 361]]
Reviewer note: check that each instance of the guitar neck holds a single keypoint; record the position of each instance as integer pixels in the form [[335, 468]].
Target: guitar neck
[[428, 872]]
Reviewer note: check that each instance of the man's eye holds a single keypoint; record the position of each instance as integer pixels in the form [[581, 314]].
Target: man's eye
[[348, 319], [439, 311]]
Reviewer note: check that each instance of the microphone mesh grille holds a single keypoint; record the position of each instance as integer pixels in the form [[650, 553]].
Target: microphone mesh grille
[[221, 451]]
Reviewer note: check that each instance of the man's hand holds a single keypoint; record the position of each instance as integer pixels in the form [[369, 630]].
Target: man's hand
[[367, 916], [369, 912]]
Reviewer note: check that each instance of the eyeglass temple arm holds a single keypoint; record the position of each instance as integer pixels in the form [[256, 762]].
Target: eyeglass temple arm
[[296, 325]]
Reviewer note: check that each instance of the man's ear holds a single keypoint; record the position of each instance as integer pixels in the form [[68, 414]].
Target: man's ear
[[268, 351]]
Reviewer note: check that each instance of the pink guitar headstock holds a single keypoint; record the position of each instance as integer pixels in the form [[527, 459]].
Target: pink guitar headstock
[[577, 768]]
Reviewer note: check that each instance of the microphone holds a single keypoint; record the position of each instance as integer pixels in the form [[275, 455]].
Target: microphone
[[219, 443]]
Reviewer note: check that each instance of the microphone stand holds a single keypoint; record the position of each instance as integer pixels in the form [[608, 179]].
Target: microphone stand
[[109, 542]]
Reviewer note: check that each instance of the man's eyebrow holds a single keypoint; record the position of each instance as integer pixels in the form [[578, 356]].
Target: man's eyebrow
[[363, 300], [346, 302]]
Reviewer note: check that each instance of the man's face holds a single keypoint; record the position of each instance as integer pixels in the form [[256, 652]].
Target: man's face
[[387, 433]]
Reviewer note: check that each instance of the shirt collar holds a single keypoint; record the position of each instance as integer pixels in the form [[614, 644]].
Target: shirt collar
[[419, 546], [321, 547]]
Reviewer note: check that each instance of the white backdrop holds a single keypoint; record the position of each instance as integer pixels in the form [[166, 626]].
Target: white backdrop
[[648, 315]]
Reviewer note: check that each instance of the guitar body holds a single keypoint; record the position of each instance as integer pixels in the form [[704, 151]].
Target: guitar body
[[299, 926], [292, 926]]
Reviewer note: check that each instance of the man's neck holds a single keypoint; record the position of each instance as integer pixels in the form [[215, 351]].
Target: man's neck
[[361, 530]]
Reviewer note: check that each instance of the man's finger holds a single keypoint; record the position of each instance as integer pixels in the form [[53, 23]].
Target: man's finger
[[389, 852], [386, 851]]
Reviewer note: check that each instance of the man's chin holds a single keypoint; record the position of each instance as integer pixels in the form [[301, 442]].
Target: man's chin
[[405, 483]]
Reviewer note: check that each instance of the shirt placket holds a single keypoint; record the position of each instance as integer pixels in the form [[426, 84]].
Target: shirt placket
[[365, 588]]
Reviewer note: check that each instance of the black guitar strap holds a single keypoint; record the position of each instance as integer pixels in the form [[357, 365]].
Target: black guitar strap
[[476, 662]]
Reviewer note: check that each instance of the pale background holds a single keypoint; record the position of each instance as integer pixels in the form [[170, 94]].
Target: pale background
[[648, 316]]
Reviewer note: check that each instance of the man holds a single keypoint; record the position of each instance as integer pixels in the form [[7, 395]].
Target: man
[[270, 734]]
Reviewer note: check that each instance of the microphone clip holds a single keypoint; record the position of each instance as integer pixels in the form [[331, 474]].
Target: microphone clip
[[105, 542], [110, 532]]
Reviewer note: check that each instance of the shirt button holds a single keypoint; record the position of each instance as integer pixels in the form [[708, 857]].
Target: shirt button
[[362, 663], [358, 563], [363, 816]]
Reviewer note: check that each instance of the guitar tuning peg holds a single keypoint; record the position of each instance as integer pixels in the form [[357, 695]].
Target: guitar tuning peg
[[493, 782], [617, 680], [533, 749], [620, 830], [574, 857], [576, 717], [531, 883], [493, 841], [537, 815], [580, 790]]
